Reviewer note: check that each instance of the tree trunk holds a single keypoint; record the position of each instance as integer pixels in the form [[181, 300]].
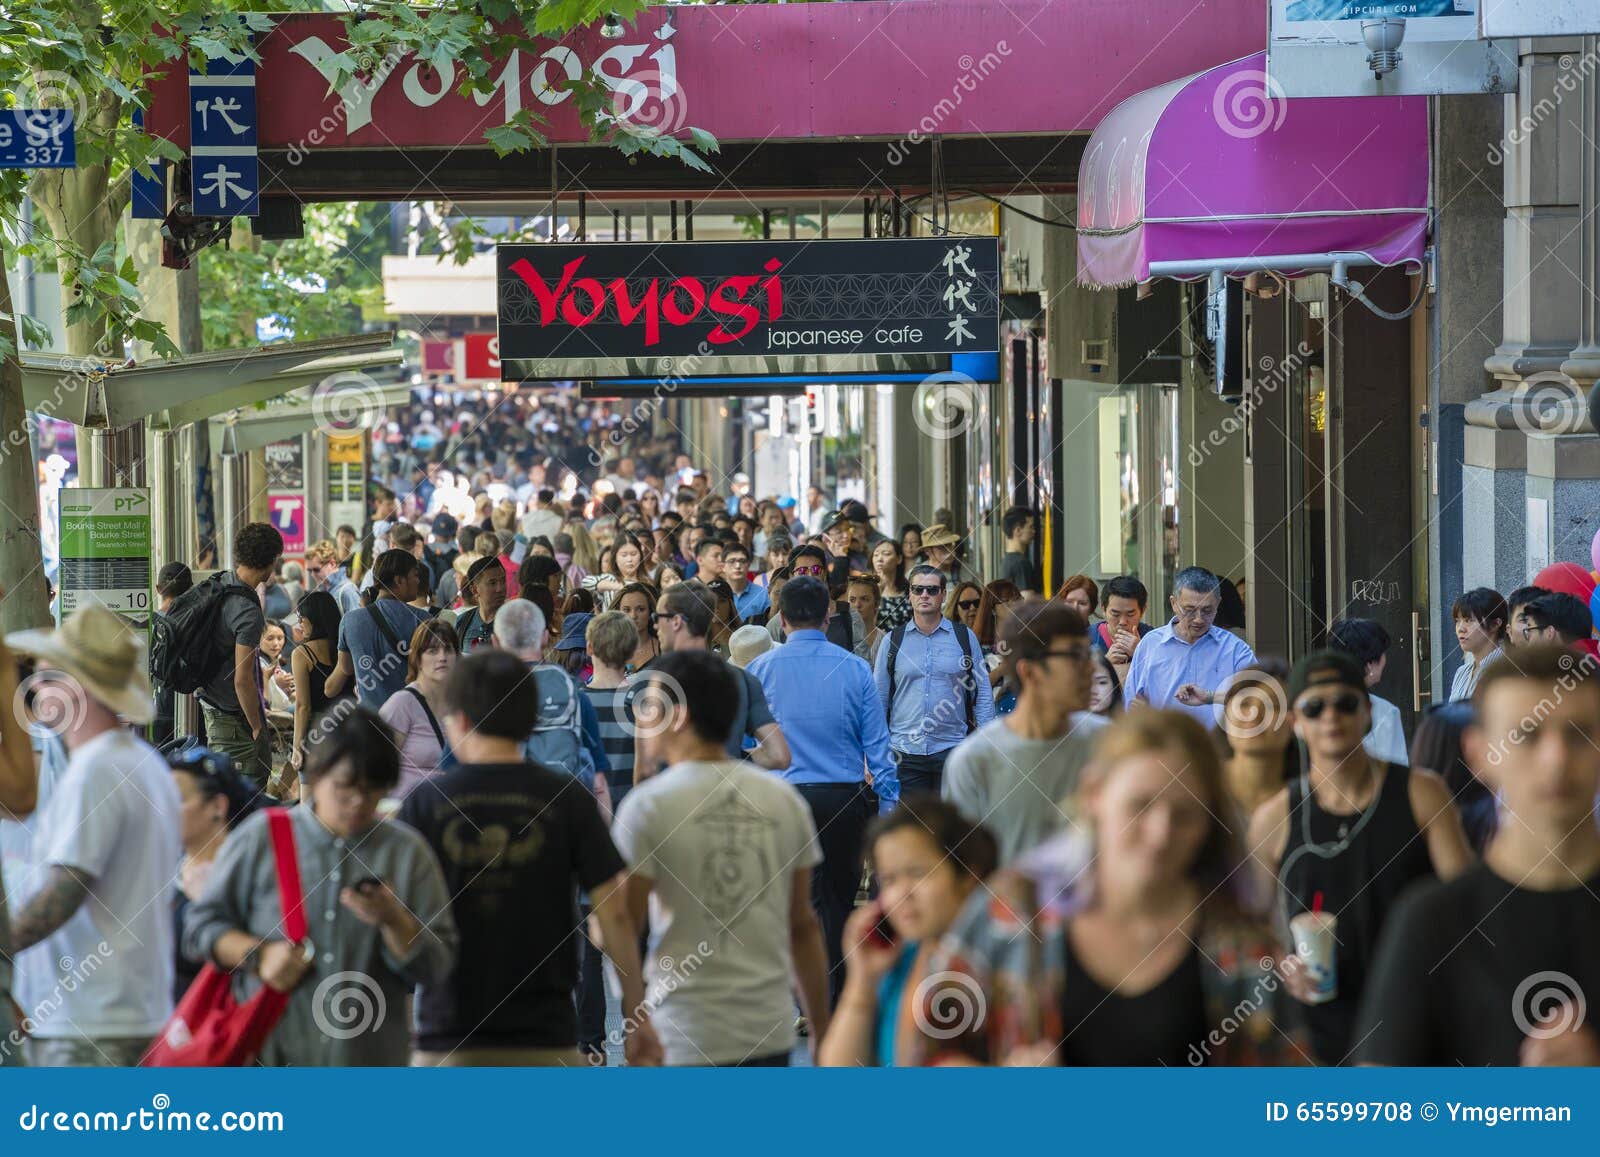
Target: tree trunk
[[81, 207], [27, 595]]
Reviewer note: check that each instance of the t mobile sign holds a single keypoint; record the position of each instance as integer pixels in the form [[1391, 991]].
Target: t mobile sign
[[720, 299]]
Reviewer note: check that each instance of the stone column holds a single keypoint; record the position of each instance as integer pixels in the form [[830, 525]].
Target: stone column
[[1531, 468]]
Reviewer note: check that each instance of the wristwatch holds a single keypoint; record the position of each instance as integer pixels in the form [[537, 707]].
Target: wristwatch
[[251, 963]]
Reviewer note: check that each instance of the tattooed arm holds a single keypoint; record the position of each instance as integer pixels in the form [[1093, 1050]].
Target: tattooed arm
[[65, 889]]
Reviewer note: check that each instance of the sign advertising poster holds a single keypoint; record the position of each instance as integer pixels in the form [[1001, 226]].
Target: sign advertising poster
[[286, 464], [719, 299], [481, 356], [105, 551], [288, 513], [347, 498]]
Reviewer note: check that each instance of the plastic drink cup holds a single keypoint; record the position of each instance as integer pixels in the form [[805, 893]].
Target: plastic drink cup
[[1314, 943]]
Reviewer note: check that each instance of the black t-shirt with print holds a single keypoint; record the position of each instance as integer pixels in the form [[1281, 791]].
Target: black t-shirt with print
[[1464, 969], [516, 842]]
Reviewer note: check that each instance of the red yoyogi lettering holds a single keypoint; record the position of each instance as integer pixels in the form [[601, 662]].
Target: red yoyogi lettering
[[739, 302]]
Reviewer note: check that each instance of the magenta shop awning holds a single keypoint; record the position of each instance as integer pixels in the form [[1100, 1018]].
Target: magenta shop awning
[[1221, 168]]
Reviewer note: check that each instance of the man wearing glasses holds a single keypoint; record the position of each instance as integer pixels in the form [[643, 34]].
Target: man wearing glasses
[[933, 685], [322, 567], [1187, 663], [1013, 774]]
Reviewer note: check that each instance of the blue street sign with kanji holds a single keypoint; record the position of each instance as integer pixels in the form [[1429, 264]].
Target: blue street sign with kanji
[[224, 166], [148, 201], [221, 115], [37, 138]]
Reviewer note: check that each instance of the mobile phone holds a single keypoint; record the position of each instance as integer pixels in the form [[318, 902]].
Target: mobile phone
[[882, 933], [370, 884]]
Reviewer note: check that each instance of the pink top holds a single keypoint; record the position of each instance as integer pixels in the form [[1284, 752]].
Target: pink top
[[420, 751]]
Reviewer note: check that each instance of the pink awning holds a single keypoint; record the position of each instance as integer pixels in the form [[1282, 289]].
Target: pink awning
[[1221, 167]]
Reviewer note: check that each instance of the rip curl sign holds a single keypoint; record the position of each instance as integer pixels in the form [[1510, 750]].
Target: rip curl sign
[[726, 298]]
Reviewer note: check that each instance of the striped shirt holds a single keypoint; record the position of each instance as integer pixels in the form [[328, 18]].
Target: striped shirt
[[614, 706]]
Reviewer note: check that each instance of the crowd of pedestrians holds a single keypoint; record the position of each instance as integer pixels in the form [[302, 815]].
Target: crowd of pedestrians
[[649, 769]]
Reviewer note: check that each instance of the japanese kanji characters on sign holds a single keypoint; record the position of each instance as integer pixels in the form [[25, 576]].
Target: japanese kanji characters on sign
[[222, 138]]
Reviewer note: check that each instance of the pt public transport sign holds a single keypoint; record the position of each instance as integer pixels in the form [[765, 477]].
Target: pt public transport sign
[[704, 308]]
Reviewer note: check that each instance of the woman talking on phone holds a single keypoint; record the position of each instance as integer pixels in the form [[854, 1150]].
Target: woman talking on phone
[[928, 860], [1140, 946]]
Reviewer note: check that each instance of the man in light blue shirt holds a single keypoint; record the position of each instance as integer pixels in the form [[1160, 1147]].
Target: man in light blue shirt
[[752, 602], [1187, 663], [824, 700], [933, 687]]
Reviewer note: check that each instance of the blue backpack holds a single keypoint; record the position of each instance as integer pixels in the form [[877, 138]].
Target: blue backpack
[[557, 739]]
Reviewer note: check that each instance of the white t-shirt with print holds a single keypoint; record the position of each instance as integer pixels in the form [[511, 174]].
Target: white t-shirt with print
[[114, 816], [722, 841]]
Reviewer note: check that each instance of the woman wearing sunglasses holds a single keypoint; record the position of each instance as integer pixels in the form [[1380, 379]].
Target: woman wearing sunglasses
[[1347, 837], [963, 606]]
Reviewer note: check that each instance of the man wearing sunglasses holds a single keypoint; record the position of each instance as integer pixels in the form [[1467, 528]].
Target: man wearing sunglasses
[[1347, 837], [932, 683], [1187, 663], [845, 628]]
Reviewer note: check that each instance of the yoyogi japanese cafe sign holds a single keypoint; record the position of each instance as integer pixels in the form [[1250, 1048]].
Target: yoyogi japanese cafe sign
[[921, 295], [105, 551]]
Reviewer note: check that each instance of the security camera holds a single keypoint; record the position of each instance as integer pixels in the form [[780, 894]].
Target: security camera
[[1383, 37]]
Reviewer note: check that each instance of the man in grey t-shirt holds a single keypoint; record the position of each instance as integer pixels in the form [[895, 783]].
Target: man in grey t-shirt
[[1013, 775]]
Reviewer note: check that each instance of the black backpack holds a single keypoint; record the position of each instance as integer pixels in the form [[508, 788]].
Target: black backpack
[[187, 647], [968, 680]]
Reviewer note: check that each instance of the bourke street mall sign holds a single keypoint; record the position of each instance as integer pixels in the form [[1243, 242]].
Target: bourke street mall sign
[[694, 309]]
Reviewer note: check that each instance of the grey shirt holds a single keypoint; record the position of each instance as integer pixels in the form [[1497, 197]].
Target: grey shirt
[[1014, 786], [350, 1009], [242, 623]]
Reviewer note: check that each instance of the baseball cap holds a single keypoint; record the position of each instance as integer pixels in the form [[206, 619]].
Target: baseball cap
[[855, 511], [478, 567], [786, 503], [832, 519], [1326, 669], [445, 525]]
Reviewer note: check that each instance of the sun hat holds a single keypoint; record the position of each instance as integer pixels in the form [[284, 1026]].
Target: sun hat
[[99, 650], [939, 535], [748, 642]]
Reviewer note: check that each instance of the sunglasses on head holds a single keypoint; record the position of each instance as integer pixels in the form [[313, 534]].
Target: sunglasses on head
[[1345, 703]]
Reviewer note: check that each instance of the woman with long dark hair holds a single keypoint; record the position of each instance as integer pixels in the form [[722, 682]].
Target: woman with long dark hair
[[894, 602], [311, 662]]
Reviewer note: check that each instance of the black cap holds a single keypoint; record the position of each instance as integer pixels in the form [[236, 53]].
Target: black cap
[[855, 511], [445, 525], [478, 567], [1326, 669], [832, 519]]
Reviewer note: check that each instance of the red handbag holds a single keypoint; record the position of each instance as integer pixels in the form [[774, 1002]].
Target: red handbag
[[210, 1028]]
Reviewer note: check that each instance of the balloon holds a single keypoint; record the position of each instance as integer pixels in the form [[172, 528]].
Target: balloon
[[1594, 551], [1594, 606], [1568, 578]]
